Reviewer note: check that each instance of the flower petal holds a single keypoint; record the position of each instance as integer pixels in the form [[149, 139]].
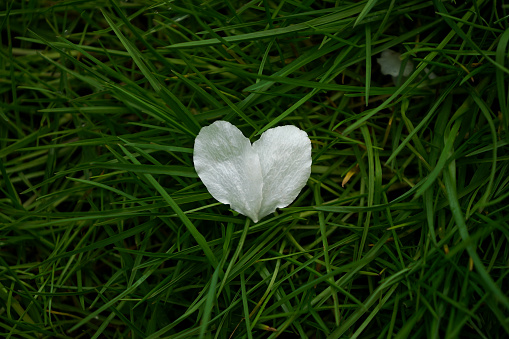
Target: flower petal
[[390, 64], [285, 158], [226, 163]]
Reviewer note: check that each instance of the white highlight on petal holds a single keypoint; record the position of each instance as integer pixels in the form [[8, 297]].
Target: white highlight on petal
[[254, 179]]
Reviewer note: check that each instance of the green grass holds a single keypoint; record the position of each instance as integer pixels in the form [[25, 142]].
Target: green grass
[[106, 230]]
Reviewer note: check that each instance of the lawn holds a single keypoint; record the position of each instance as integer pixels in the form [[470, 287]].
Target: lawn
[[402, 229]]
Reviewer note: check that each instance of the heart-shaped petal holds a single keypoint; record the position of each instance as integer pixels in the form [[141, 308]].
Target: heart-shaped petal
[[254, 179]]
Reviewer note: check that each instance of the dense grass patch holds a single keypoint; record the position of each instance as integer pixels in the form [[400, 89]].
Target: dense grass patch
[[107, 232]]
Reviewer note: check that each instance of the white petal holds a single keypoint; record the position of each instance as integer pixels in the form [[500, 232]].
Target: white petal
[[226, 163], [285, 158], [390, 64], [430, 75]]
